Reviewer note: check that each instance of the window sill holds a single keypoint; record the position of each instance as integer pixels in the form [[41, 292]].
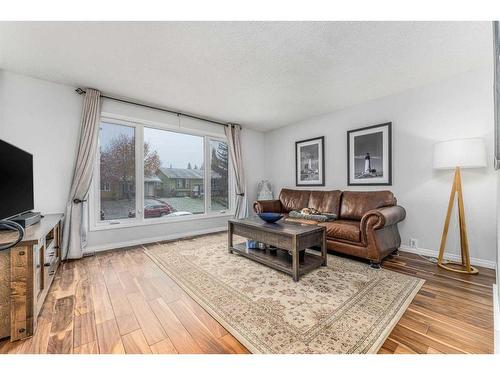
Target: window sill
[[157, 221]]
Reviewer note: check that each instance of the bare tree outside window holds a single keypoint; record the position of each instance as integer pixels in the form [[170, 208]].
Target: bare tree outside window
[[219, 181], [117, 171]]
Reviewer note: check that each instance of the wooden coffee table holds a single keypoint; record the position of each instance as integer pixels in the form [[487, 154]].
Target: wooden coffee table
[[290, 239]]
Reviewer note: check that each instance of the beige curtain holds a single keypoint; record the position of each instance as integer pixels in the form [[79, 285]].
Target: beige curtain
[[233, 134], [75, 223]]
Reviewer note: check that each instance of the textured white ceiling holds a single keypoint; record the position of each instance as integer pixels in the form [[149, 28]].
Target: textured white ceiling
[[260, 74]]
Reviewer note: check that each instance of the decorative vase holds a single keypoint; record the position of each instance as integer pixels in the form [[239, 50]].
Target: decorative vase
[[264, 191]]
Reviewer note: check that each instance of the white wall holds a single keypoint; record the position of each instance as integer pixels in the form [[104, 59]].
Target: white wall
[[459, 107], [43, 118]]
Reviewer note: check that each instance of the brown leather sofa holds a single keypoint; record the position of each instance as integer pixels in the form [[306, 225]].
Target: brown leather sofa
[[367, 221]]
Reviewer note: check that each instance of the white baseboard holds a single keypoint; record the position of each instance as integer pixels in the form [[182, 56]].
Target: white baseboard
[[175, 236], [140, 241], [454, 257], [496, 319]]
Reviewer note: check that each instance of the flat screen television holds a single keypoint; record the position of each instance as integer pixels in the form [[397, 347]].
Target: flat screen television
[[16, 181]]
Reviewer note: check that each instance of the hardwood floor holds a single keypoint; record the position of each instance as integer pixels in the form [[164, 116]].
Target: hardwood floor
[[121, 302], [452, 313]]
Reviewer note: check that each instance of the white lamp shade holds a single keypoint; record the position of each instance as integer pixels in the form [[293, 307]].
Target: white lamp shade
[[464, 153]]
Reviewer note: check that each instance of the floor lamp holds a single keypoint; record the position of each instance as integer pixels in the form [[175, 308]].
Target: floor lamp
[[456, 154]]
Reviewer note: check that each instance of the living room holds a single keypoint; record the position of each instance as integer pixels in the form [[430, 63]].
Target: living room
[[254, 187]]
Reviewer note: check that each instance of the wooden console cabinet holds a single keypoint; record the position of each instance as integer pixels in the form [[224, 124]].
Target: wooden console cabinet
[[26, 273]]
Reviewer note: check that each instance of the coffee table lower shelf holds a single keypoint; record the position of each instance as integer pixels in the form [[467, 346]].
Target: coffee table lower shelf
[[280, 259]]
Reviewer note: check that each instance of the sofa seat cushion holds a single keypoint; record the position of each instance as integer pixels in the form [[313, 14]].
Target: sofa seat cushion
[[300, 220], [348, 230]]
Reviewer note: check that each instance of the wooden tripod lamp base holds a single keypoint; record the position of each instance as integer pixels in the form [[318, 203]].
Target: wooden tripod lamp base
[[464, 266], [456, 154]]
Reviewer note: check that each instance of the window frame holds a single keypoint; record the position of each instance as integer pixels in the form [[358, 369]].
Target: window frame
[[95, 194], [139, 220]]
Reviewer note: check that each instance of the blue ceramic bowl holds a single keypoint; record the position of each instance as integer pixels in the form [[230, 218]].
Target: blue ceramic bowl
[[270, 217]]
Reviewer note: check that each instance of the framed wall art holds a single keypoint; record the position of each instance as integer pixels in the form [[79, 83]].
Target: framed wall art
[[310, 162], [369, 155]]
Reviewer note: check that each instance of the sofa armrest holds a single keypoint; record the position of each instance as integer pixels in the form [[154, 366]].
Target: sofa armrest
[[383, 217], [267, 206]]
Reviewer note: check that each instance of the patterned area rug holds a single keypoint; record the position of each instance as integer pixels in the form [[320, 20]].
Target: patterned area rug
[[346, 307]]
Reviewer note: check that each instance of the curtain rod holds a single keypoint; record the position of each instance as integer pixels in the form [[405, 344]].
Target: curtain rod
[[81, 91]]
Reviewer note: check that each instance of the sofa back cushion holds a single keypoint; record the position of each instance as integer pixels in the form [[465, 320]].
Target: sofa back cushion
[[294, 199], [354, 204], [325, 201]]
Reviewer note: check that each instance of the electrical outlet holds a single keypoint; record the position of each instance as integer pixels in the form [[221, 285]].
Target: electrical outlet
[[413, 243]]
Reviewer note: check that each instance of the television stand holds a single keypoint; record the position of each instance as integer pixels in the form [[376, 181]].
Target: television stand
[[26, 273]]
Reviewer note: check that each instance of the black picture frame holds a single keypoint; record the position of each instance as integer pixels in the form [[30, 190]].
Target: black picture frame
[[352, 133], [321, 159]]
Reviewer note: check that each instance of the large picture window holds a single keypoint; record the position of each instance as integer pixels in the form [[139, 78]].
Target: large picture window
[[149, 174]]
